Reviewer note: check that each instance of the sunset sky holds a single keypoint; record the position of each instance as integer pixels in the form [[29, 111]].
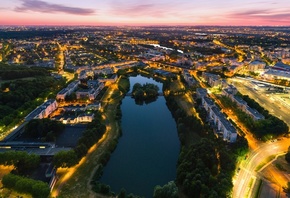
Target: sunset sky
[[145, 12]]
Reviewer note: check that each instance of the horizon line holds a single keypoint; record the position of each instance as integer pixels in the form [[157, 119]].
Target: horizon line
[[155, 25]]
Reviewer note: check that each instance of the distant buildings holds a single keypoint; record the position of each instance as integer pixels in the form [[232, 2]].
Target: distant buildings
[[124, 66], [161, 72], [279, 71], [256, 66], [281, 66], [214, 80], [272, 74], [188, 78], [142, 41]]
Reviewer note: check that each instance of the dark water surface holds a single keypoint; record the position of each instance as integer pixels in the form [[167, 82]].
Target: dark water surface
[[147, 152]]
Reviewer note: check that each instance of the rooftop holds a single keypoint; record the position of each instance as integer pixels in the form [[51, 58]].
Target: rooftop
[[208, 101], [240, 100], [255, 113]]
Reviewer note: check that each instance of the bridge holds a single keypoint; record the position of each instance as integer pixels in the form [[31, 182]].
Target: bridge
[[38, 148]]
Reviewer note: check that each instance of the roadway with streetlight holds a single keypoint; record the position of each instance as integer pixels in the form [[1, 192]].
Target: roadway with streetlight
[[270, 102], [247, 175], [244, 182]]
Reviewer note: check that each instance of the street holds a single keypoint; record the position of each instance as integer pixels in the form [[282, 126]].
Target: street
[[246, 177], [245, 180]]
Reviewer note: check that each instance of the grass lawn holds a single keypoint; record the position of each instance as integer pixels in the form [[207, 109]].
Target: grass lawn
[[277, 172], [186, 103]]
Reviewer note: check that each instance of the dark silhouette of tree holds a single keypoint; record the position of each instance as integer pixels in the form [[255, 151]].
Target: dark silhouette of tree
[[20, 184], [287, 156], [169, 190], [65, 159], [22, 161]]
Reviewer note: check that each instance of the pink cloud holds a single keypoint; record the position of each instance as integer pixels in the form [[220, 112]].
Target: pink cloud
[[263, 16], [140, 10], [42, 6]]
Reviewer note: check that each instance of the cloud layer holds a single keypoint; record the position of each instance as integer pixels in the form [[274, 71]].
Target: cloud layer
[[157, 11], [44, 7], [263, 15], [195, 12]]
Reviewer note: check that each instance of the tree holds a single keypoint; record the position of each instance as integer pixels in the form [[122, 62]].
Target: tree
[[40, 190], [22, 161], [122, 193], [43, 128], [198, 171], [145, 93], [20, 184], [102, 188], [24, 185], [65, 159], [287, 156], [169, 190], [27, 162], [9, 181]]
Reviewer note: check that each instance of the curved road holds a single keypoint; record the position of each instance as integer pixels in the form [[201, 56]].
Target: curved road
[[247, 175], [246, 178]]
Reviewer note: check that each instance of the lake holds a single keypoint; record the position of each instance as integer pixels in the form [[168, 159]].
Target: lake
[[147, 152]]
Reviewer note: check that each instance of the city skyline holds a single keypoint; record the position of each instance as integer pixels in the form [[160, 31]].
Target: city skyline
[[132, 12]]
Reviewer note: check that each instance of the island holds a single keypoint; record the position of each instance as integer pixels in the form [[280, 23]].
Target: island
[[145, 93]]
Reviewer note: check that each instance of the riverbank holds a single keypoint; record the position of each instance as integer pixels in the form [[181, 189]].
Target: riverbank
[[186, 103], [75, 182]]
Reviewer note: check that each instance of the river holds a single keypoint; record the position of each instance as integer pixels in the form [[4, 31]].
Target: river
[[147, 152]]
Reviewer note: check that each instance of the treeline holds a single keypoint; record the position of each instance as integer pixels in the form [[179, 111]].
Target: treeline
[[184, 122], [205, 166], [18, 98], [93, 133], [22, 161], [265, 128], [265, 41], [45, 129], [169, 190], [16, 72], [25, 185], [287, 156], [25, 34], [205, 50], [206, 170], [23, 164], [98, 186]]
